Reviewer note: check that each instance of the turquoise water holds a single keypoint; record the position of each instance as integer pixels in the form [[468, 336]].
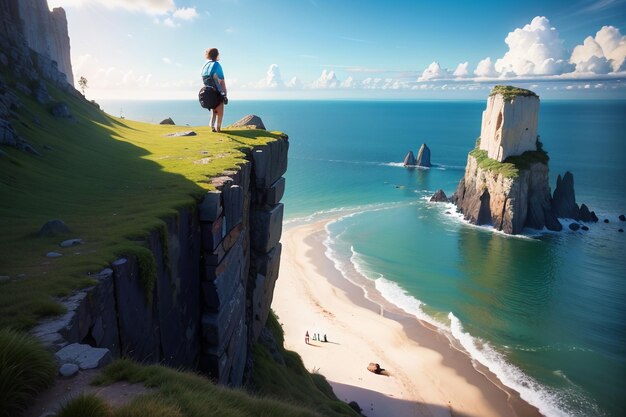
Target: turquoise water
[[546, 311]]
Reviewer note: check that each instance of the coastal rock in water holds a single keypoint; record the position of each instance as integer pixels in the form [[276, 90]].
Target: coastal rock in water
[[167, 121], [622, 217], [409, 159], [509, 123], [250, 121], [439, 197], [564, 198], [423, 156], [585, 228], [584, 215], [574, 226]]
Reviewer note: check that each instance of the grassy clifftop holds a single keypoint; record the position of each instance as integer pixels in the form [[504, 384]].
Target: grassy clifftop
[[110, 180]]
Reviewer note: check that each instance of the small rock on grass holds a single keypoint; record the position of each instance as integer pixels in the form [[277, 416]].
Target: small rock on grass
[[4, 278], [71, 242], [53, 227], [54, 254]]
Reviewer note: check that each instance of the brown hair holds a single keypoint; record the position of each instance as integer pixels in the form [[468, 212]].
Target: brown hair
[[211, 54]]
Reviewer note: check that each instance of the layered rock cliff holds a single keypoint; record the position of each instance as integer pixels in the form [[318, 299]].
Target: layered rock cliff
[[216, 266], [29, 25]]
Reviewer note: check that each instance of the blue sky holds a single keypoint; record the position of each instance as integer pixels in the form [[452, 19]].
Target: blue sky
[[153, 49]]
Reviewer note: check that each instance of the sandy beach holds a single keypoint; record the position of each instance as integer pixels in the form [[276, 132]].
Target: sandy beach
[[428, 376]]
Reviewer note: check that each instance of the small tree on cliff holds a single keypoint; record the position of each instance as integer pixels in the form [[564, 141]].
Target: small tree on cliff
[[82, 83]]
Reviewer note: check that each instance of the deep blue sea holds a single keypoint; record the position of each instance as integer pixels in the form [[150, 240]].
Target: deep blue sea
[[546, 311]]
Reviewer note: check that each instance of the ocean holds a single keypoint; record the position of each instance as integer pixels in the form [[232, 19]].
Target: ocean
[[546, 312]]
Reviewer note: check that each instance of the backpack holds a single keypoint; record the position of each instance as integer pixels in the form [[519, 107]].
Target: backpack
[[210, 95]]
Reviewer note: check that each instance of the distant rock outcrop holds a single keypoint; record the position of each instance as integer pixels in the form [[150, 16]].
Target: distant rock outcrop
[[439, 197], [167, 121], [250, 121], [423, 156], [409, 159], [506, 181]]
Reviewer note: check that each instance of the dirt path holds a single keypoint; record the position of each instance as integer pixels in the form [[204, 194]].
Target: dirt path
[[64, 389]]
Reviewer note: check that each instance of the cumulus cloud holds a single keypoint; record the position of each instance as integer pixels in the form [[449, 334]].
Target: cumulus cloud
[[462, 70], [602, 54], [433, 72], [294, 83], [185, 13], [272, 78], [535, 49], [349, 83], [485, 69], [170, 23], [328, 79]]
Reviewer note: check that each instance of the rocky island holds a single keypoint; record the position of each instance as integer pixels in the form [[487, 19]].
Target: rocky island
[[506, 181]]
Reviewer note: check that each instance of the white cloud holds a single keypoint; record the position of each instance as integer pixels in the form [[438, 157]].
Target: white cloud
[[159, 7], [170, 23], [603, 54], [433, 72], [294, 83], [485, 68], [328, 79], [272, 78], [462, 70], [535, 49], [349, 83], [185, 13]]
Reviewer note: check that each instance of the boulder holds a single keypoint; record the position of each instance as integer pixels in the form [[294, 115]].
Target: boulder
[[53, 228], [606, 220], [564, 198], [85, 356], [409, 159], [250, 121], [622, 217], [621, 230], [594, 218], [439, 197], [54, 254], [167, 121], [585, 228], [60, 110], [423, 156]]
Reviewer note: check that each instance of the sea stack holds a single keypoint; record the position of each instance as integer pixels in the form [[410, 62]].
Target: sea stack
[[423, 156], [506, 176], [409, 160]]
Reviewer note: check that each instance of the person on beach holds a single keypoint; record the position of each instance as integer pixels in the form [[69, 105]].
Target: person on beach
[[212, 72], [306, 337]]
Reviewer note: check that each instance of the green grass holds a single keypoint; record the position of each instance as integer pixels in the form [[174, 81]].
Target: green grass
[[511, 166], [509, 92], [111, 180], [26, 368], [189, 395], [85, 405]]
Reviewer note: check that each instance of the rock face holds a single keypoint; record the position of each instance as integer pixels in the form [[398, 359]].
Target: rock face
[[46, 33], [167, 121], [509, 204], [409, 159], [216, 267], [423, 156], [509, 125], [564, 199]]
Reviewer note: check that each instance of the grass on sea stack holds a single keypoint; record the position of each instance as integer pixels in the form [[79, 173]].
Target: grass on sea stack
[[111, 180], [511, 166], [509, 92]]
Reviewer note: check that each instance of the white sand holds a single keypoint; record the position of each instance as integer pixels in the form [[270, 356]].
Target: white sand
[[428, 376]]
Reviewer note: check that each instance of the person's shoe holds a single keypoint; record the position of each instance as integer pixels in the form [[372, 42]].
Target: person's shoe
[[213, 129]]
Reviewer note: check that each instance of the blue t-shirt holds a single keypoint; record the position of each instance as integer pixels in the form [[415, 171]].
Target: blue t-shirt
[[215, 68]]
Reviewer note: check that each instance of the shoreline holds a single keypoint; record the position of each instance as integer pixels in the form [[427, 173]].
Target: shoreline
[[429, 375]]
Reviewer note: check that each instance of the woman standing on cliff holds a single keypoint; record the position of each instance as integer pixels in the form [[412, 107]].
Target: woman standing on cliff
[[212, 72]]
